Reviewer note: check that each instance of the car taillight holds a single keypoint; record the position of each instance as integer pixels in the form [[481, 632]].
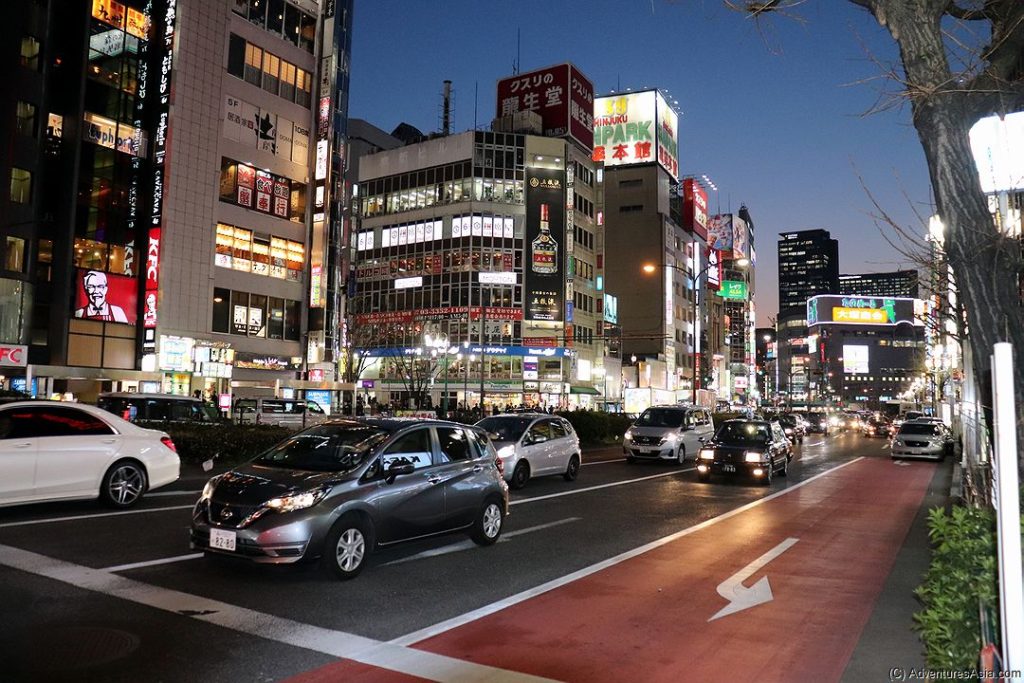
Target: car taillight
[[500, 465], [166, 440]]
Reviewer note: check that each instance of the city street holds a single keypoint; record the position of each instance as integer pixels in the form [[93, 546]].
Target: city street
[[632, 572]]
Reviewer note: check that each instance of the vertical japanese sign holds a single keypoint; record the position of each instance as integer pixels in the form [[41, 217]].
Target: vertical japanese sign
[[165, 45], [561, 94], [544, 281], [695, 208]]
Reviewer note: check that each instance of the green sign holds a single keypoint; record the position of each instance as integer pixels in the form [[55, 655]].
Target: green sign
[[733, 289]]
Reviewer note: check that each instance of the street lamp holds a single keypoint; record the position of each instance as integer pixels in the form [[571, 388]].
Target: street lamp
[[694, 279]]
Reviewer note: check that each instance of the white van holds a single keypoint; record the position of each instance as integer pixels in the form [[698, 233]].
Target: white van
[[668, 433], [280, 412]]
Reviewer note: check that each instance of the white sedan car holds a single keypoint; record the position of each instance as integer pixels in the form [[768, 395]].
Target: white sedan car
[[64, 451]]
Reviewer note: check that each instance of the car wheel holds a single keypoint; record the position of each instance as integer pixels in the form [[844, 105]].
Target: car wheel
[[489, 523], [681, 455], [520, 475], [347, 547], [123, 484], [572, 470]]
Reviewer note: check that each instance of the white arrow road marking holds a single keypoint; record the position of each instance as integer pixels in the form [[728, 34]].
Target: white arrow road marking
[[739, 596], [901, 463]]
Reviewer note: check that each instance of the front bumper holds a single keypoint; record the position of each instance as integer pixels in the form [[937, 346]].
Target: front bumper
[[665, 451], [931, 452], [753, 470], [271, 539]]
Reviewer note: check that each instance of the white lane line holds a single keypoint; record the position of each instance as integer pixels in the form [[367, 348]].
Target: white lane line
[[812, 444], [152, 563], [468, 617], [72, 518], [154, 494], [266, 626], [469, 545], [573, 492], [604, 462]]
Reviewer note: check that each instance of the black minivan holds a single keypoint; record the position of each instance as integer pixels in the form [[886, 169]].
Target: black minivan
[[143, 408]]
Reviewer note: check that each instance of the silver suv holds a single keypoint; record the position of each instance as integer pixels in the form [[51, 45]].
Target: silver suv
[[532, 445], [668, 433]]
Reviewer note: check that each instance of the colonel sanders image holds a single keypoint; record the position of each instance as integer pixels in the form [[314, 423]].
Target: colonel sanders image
[[95, 285]]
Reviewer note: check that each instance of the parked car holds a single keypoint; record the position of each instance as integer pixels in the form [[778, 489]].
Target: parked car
[[755, 448], [667, 433], [921, 439], [817, 423], [294, 413], [793, 427], [337, 490], [533, 445], [63, 451], [149, 408], [876, 427]]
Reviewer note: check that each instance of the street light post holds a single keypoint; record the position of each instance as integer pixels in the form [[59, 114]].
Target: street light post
[[694, 279]]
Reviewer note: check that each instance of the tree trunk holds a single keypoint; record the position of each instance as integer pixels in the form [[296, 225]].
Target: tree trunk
[[983, 260]]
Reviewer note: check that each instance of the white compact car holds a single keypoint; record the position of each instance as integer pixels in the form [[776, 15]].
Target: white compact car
[[673, 432], [64, 451], [534, 444]]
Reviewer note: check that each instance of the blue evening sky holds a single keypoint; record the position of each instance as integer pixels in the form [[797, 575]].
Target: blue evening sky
[[772, 114]]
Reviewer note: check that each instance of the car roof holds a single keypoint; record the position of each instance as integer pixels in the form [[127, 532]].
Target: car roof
[[105, 415], [135, 394], [743, 419], [392, 424], [517, 415]]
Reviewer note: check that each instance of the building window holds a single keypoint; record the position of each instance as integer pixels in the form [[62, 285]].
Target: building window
[[30, 53], [26, 115], [288, 81], [271, 69], [21, 186], [253, 64], [14, 255], [236, 56], [248, 187], [221, 310]]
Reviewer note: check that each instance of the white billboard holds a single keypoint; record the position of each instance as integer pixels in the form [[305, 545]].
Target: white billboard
[[855, 359], [998, 149], [636, 128]]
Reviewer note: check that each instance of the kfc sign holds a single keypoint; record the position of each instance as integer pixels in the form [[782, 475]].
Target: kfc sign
[[695, 208], [13, 356], [561, 94]]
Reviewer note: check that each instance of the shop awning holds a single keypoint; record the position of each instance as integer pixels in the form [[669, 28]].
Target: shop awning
[[584, 389]]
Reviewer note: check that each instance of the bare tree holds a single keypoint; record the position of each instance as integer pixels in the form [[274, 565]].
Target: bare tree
[[961, 60]]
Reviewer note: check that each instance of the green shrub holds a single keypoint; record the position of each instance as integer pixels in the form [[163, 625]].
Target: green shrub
[[962, 574], [231, 443], [595, 428]]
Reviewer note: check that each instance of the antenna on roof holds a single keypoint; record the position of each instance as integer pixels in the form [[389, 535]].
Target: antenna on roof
[[515, 64]]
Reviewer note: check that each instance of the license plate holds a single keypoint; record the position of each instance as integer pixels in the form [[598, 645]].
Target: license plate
[[728, 468], [648, 450], [222, 540]]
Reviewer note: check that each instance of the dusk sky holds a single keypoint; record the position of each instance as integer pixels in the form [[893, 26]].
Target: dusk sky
[[771, 113]]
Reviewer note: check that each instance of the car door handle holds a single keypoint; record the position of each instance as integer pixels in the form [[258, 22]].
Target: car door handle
[[22, 445], [434, 480], [478, 468], [109, 441]]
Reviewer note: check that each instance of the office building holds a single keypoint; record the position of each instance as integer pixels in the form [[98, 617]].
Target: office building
[[169, 201], [808, 266], [898, 283]]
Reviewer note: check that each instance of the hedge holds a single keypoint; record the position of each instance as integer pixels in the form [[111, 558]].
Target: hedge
[[962, 575], [230, 443], [596, 428]]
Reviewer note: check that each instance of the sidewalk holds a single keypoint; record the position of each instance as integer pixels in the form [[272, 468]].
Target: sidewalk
[[889, 639]]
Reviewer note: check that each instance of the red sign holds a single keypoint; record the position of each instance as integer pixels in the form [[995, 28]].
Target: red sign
[[541, 342], [384, 317], [152, 283], [695, 208], [316, 375], [714, 277], [561, 94], [105, 296], [13, 355]]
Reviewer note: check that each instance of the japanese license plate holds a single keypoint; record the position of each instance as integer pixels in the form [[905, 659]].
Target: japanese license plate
[[222, 540], [728, 468]]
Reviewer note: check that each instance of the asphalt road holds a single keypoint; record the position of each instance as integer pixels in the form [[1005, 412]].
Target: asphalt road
[[89, 595]]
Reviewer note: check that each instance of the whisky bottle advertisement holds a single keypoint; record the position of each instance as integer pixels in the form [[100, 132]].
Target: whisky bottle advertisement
[[545, 244]]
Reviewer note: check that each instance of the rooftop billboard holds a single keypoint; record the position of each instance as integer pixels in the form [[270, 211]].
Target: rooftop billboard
[[636, 128]]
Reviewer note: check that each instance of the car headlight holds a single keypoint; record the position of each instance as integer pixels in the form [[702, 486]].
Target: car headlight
[[834, 421], [789, 430], [506, 451], [707, 454], [297, 501], [898, 442], [628, 436], [210, 486], [753, 456], [669, 438]]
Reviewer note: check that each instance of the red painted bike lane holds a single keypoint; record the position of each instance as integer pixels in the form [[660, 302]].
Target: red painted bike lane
[[647, 618]]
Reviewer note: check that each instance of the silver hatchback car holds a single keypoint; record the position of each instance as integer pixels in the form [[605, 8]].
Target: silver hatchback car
[[339, 489], [534, 444]]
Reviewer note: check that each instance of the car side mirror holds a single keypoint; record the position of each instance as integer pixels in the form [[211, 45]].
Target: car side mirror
[[397, 470], [700, 438], [689, 428]]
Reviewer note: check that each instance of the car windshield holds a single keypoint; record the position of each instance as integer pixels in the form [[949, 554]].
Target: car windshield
[[211, 412], [923, 428], [507, 428], [742, 434], [787, 420], [661, 417], [325, 448]]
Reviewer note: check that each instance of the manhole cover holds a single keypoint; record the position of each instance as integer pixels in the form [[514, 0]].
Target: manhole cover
[[76, 647]]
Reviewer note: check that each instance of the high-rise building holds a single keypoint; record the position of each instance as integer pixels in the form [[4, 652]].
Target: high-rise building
[[898, 283], [808, 266], [169, 191]]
